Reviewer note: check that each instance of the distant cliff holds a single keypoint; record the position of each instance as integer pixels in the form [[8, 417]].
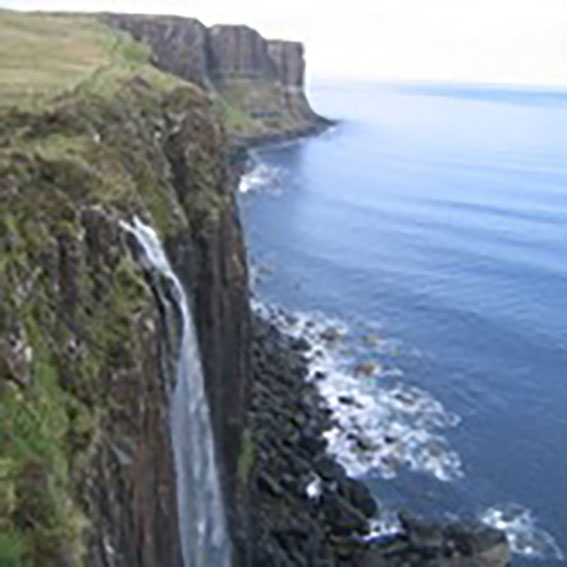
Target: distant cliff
[[258, 84]]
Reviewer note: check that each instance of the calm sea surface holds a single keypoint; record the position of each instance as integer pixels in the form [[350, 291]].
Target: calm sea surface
[[432, 223]]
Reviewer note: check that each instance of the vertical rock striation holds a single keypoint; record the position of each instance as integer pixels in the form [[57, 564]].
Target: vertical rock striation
[[84, 380], [290, 62], [178, 44], [239, 52]]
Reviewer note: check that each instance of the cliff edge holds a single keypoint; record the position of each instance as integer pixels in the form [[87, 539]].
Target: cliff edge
[[90, 135]]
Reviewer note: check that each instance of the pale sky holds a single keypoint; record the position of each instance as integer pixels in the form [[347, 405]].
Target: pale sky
[[494, 41]]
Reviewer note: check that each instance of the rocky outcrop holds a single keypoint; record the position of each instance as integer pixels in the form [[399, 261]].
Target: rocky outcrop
[[258, 83]]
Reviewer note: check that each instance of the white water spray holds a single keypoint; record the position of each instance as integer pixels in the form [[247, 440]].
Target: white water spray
[[202, 523]]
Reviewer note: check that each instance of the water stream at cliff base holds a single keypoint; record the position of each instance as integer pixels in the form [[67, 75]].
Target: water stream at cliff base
[[202, 524]]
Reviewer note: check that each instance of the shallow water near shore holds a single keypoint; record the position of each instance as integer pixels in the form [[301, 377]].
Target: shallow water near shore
[[430, 229]]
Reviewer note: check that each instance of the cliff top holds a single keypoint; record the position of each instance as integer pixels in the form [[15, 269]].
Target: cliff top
[[43, 55], [255, 84]]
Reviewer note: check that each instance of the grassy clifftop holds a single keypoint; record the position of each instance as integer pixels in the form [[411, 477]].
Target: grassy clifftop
[[43, 56]]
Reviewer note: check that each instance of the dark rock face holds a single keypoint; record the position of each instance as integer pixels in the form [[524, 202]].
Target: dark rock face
[[239, 51], [82, 336], [129, 490], [290, 62], [178, 44], [211, 261]]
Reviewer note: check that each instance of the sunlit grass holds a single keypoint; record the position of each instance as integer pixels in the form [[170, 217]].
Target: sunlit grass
[[45, 55]]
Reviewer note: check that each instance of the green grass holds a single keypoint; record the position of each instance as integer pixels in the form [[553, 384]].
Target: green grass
[[13, 548], [236, 120], [44, 55], [38, 515], [239, 97]]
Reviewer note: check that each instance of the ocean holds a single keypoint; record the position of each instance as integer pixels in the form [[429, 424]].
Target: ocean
[[421, 244]]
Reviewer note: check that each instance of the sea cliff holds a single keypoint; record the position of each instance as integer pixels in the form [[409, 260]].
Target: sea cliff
[[258, 84], [98, 126]]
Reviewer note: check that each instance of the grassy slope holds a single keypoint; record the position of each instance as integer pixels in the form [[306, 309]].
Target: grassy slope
[[242, 95], [45, 55]]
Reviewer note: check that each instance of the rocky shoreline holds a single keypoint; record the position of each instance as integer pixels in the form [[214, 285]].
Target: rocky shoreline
[[304, 508]]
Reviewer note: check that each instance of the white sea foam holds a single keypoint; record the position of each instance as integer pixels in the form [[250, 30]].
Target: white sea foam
[[386, 525], [381, 425], [521, 528], [261, 176], [314, 489]]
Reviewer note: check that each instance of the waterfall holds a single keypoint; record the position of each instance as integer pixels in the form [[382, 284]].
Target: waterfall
[[202, 523]]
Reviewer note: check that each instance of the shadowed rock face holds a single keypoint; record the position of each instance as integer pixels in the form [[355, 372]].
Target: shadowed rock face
[[290, 62], [239, 51], [84, 336], [178, 44]]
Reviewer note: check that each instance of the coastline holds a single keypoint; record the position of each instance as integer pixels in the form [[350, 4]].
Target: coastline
[[305, 508]]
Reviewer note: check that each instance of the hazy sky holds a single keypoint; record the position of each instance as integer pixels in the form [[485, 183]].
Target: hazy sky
[[504, 41]]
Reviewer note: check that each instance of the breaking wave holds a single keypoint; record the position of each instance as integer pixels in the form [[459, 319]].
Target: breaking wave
[[381, 425], [386, 525], [261, 177], [522, 531]]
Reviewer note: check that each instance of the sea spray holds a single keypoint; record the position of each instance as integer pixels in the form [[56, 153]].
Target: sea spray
[[400, 427], [261, 176], [382, 425], [202, 524], [524, 535]]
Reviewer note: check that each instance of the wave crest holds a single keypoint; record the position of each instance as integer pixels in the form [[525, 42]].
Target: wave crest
[[381, 425], [521, 529], [261, 176]]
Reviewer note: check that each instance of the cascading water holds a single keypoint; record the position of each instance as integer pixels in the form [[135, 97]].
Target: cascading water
[[202, 523]]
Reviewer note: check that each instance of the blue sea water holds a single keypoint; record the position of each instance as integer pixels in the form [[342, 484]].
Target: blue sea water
[[433, 222]]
